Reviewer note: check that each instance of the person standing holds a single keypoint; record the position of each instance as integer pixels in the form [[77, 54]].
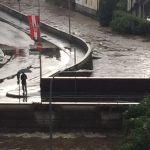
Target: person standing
[[24, 83]]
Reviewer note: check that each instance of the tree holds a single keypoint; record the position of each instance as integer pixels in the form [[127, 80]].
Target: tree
[[137, 121], [122, 5], [106, 8]]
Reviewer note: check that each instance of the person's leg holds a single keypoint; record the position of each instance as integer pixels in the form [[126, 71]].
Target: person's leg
[[23, 88], [26, 88]]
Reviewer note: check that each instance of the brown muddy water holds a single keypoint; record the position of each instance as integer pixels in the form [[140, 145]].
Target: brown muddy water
[[61, 141]]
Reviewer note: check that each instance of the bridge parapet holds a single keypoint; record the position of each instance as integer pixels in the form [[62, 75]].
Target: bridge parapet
[[94, 89]]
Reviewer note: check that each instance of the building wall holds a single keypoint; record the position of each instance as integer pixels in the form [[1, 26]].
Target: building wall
[[88, 6], [139, 8], [78, 2], [130, 3]]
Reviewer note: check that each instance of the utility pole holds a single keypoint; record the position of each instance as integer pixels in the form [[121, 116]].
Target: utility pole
[[19, 5], [18, 74], [50, 114], [69, 20], [50, 99], [69, 7], [40, 44]]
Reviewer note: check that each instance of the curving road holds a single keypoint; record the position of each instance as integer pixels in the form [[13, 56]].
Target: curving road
[[23, 58], [51, 63]]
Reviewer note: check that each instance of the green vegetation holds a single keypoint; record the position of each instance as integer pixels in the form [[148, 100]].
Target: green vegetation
[[113, 13], [121, 5], [137, 125], [125, 23]]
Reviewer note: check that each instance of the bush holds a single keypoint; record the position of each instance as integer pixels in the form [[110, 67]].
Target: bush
[[137, 121], [136, 111], [119, 13], [126, 23], [122, 5], [137, 140]]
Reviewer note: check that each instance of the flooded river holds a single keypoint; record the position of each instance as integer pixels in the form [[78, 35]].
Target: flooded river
[[60, 141]]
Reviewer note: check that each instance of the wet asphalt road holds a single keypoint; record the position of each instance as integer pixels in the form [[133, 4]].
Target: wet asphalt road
[[119, 55]]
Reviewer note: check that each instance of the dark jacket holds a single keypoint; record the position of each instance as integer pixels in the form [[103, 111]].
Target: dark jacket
[[23, 78]]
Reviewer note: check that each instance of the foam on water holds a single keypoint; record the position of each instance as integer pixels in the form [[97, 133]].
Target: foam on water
[[70, 135]]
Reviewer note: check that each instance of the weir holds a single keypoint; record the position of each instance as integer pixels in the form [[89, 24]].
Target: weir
[[35, 117]]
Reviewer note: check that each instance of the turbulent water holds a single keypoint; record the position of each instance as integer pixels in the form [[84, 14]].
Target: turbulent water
[[60, 141]]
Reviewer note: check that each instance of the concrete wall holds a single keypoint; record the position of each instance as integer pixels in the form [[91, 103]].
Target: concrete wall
[[89, 89], [35, 117]]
